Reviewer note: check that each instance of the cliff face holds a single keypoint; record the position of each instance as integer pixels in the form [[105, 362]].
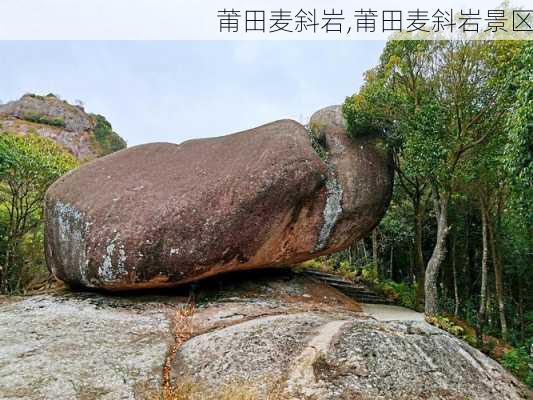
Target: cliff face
[[87, 136]]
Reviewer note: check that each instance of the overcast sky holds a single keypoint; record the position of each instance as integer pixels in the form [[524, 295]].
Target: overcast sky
[[173, 91]]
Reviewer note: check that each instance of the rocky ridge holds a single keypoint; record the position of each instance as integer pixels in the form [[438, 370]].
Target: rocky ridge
[[86, 136]]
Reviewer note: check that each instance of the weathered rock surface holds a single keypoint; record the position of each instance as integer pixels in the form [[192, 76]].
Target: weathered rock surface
[[362, 167], [68, 125], [265, 332], [74, 117], [162, 214], [76, 346]]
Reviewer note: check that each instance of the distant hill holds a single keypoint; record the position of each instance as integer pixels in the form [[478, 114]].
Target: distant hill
[[87, 136]]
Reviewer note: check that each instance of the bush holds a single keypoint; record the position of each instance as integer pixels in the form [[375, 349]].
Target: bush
[[28, 166], [402, 293], [447, 325], [518, 361], [315, 263], [104, 137], [370, 274], [44, 119], [318, 144]]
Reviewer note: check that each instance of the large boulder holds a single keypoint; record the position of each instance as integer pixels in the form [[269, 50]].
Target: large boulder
[[162, 214]]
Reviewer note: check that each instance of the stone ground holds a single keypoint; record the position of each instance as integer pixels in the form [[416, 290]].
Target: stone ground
[[381, 312], [68, 346], [266, 331]]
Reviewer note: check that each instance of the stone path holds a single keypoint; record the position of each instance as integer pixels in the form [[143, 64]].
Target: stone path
[[382, 312], [302, 377], [357, 291]]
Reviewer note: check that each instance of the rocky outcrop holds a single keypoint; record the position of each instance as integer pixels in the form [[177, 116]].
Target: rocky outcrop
[[75, 346], [162, 214], [86, 136], [271, 334]]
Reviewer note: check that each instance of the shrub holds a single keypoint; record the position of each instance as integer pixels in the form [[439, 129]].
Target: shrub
[[518, 361], [28, 166], [104, 137], [318, 145], [370, 274], [44, 119], [403, 293], [447, 325]]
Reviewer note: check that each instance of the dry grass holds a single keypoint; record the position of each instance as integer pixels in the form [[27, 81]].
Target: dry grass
[[187, 389], [182, 330]]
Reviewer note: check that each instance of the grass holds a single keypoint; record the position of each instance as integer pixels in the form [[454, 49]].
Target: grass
[[182, 330], [187, 389]]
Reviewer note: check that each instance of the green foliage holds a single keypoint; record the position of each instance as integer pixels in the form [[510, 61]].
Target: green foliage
[[370, 274], [35, 96], [367, 114], [402, 293], [518, 151], [518, 361], [107, 140], [471, 340], [44, 119], [314, 263], [32, 161], [446, 324], [317, 142], [28, 166], [458, 117]]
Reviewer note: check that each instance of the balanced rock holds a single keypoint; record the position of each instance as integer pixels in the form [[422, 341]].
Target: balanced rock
[[162, 214]]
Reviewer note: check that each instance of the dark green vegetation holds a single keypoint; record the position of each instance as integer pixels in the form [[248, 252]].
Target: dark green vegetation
[[457, 238], [44, 119], [107, 140], [28, 165]]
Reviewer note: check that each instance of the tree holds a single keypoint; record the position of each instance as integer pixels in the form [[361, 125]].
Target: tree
[[436, 102], [28, 165], [388, 103]]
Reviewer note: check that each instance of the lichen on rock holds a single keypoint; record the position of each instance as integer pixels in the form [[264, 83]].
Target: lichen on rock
[[332, 210]]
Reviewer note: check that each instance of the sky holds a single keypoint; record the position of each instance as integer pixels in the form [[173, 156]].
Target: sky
[[171, 91]]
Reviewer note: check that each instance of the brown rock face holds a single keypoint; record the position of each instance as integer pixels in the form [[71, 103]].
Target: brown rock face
[[161, 214], [361, 171]]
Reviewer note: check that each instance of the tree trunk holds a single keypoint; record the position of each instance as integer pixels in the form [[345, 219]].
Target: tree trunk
[[496, 261], [465, 270], [438, 255], [521, 312], [419, 256], [390, 264], [455, 283], [482, 313], [365, 255], [375, 251]]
